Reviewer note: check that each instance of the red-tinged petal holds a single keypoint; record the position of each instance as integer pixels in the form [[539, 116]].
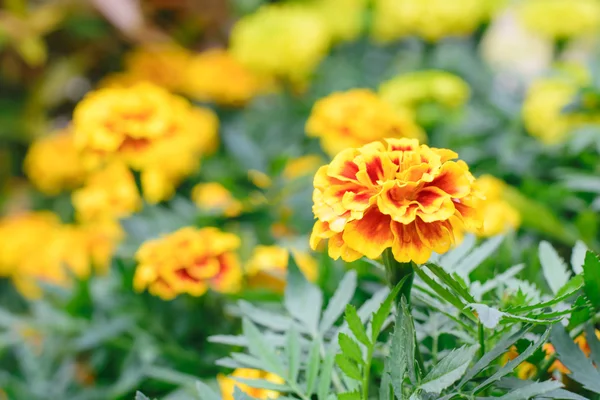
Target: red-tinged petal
[[343, 167], [469, 215], [402, 144], [453, 179], [338, 248], [358, 201], [320, 231], [445, 154], [203, 269], [375, 167], [396, 202], [370, 235], [431, 198], [435, 235], [407, 245]]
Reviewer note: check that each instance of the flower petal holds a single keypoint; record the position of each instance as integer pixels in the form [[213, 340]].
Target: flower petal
[[407, 244], [370, 235]]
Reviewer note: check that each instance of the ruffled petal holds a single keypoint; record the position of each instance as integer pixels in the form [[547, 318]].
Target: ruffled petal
[[370, 235]]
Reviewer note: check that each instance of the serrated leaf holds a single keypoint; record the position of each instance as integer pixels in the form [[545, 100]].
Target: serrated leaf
[[312, 368], [532, 390], [402, 350], [205, 392], [325, 381], [450, 260], [450, 369], [555, 270], [268, 319], [578, 256], [451, 282], [573, 358], [385, 386], [348, 367], [337, 304], [382, 313], [140, 396], [591, 277], [491, 317], [356, 326], [563, 294], [349, 396], [293, 354], [350, 348], [302, 299], [261, 349]]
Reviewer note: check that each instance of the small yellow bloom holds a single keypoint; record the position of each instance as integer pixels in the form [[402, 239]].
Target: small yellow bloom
[[259, 179], [216, 199], [354, 118], [400, 195], [302, 166], [408, 91], [53, 163], [227, 384], [430, 19], [558, 19], [188, 261], [498, 215], [343, 18], [267, 268], [163, 64], [108, 195], [214, 75], [525, 370], [286, 41]]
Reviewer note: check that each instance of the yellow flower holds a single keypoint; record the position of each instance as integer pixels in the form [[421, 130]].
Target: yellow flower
[[354, 118], [400, 195], [21, 235], [216, 199], [558, 19], [286, 41], [214, 75], [525, 370], [267, 268], [499, 215], [227, 384], [188, 261], [580, 340], [302, 166], [408, 91], [429, 19], [107, 195], [53, 163], [164, 65], [344, 18], [259, 179]]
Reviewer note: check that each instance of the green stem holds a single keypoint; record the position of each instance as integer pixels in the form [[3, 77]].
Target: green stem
[[396, 271], [481, 340], [367, 373]]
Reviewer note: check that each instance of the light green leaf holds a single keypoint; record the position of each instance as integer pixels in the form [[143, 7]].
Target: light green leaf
[[578, 256], [348, 367], [591, 277], [382, 313], [302, 299], [451, 282], [327, 370], [350, 348], [402, 350], [532, 390], [261, 349], [141, 396], [349, 396], [356, 325], [293, 354], [312, 369], [477, 256], [239, 395], [268, 319], [263, 384], [450, 369], [338, 302], [385, 387], [593, 343], [554, 268], [205, 392]]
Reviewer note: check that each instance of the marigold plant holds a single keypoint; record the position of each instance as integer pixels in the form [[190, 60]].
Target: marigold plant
[[397, 194]]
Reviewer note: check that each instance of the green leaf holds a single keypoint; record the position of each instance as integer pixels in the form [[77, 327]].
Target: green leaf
[[591, 277], [205, 392], [268, 319], [349, 396], [312, 368], [382, 313], [554, 268], [578, 256], [239, 395], [568, 290], [491, 317], [338, 302], [593, 343], [348, 367], [450, 369], [261, 349], [402, 350], [512, 364], [302, 299], [386, 392], [350, 348], [582, 369], [532, 390], [293, 353], [141, 396], [325, 381], [356, 325], [263, 384], [477, 256], [451, 282]]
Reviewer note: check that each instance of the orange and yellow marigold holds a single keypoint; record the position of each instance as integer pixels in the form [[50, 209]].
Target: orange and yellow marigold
[[394, 194], [189, 261], [227, 384]]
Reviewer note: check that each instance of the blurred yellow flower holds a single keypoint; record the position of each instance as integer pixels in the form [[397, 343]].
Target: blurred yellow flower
[[400, 195], [214, 198], [188, 261], [227, 384], [108, 195], [407, 91], [498, 215], [214, 75], [259, 179], [53, 163], [525, 370], [267, 267], [560, 19], [580, 340], [429, 19], [286, 41], [351, 119], [302, 166], [344, 18], [162, 64]]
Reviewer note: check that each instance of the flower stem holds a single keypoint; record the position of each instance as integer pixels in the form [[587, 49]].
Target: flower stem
[[396, 271]]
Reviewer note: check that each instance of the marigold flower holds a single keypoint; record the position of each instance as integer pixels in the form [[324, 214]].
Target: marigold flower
[[354, 118], [214, 75], [267, 267], [108, 195], [398, 194], [188, 261], [408, 91], [580, 340], [140, 125], [286, 41], [227, 384], [429, 19], [344, 18], [214, 198], [525, 370], [162, 64], [54, 164], [559, 19], [499, 215], [302, 166]]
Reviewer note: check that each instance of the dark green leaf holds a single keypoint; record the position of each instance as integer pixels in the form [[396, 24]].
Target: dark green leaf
[[451, 282], [402, 350], [591, 276], [450, 369], [532, 390]]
